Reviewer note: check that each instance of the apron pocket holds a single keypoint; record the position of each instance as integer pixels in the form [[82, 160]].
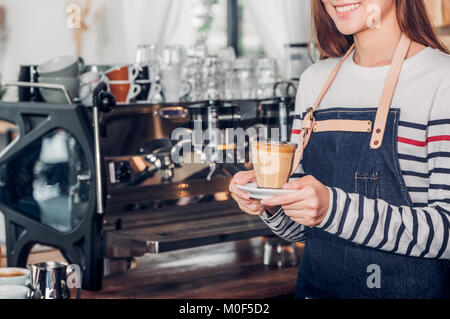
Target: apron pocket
[[367, 184]]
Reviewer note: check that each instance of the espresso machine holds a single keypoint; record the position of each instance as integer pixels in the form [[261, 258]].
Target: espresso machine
[[109, 183]]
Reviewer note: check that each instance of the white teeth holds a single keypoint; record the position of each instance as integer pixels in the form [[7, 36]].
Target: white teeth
[[348, 8]]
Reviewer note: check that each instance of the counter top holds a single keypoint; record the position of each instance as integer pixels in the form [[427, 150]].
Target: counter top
[[227, 270]]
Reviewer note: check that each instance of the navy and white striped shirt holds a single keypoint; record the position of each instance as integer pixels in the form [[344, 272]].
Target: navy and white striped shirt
[[423, 96]]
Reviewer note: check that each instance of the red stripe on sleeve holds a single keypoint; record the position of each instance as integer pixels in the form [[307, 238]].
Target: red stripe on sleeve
[[411, 142], [431, 139], [439, 138]]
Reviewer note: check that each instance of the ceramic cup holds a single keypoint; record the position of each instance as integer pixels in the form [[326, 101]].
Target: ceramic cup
[[65, 66], [124, 91], [149, 91], [88, 82], [14, 292], [123, 73], [55, 95], [173, 87], [13, 276]]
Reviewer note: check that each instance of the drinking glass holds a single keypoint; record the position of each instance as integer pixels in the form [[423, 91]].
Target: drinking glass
[[227, 53], [213, 79], [266, 77], [198, 50], [191, 72], [240, 82], [174, 87], [227, 56], [148, 54], [173, 55]]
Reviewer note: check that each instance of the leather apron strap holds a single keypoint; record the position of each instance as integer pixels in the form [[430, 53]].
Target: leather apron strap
[[388, 91], [383, 107]]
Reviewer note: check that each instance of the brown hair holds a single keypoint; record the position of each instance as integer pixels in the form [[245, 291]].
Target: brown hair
[[412, 16]]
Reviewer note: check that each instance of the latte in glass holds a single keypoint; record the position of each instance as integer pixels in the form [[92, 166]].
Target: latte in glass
[[272, 162]]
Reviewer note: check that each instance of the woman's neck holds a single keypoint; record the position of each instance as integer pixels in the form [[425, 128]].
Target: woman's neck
[[376, 46]]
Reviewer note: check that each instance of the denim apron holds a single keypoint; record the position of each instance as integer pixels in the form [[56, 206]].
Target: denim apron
[[332, 267]]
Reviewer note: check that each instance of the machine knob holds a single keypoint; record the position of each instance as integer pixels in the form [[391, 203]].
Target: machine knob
[[102, 99], [106, 102]]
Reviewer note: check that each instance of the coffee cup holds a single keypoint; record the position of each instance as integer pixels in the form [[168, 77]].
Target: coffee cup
[[55, 95], [149, 91], [64, 66], [88, 82], [124, 91], [12, 276], [14, 292], [123, 73], [272, 162]]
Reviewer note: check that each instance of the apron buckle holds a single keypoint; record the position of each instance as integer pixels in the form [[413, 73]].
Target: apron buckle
[[308, 121]]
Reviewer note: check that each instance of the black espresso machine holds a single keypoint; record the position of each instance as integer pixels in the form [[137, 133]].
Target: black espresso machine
[[100, 183]]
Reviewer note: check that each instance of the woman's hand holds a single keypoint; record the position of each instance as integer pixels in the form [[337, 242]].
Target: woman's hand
[[308, 205], [246, 204]]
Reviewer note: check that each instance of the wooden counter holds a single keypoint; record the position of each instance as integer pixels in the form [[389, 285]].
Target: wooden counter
[[228, 270]]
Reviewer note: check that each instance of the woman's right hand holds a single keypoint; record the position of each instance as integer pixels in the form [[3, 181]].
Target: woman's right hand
[[247, 204]]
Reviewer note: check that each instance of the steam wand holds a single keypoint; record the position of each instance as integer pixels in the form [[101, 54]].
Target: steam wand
[[103, 101]]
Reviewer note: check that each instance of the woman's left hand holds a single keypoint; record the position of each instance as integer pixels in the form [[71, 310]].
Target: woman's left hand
[[308, 205]]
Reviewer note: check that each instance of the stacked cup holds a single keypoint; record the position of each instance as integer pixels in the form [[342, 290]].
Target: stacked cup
[[149, 63], [14, 282], [121, 83], [62, 70]]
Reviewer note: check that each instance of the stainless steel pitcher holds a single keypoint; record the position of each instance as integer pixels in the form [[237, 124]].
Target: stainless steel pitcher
[[49, 280]]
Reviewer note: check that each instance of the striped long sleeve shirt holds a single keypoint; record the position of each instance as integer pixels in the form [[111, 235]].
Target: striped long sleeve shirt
[[423, 96]]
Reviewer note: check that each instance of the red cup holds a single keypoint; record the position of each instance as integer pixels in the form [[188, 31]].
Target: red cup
[[124, 91], [122, 73]]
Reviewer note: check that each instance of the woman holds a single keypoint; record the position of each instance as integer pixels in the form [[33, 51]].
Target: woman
[[372, 195]]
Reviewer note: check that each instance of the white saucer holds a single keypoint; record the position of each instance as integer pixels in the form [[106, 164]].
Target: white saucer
[[263, 193]]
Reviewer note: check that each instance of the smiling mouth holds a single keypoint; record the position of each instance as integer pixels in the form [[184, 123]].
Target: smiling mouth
[[343, 10]]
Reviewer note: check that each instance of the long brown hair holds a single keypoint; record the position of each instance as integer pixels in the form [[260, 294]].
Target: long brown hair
[[412, 16]]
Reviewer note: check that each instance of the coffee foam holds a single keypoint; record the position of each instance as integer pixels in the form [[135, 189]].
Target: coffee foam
[[275, 147], [272, 163]]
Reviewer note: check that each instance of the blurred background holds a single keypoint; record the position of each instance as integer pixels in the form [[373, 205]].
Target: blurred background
[[109, 31], [32, 32]]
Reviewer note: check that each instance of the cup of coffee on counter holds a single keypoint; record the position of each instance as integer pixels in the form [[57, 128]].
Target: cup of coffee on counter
[[12, 276], [272, 162], [14, 292]]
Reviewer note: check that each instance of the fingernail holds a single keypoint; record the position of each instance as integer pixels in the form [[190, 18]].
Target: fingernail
[[263, 202]]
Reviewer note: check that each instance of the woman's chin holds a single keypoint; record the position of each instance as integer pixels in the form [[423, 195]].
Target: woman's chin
[[350, 28]]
